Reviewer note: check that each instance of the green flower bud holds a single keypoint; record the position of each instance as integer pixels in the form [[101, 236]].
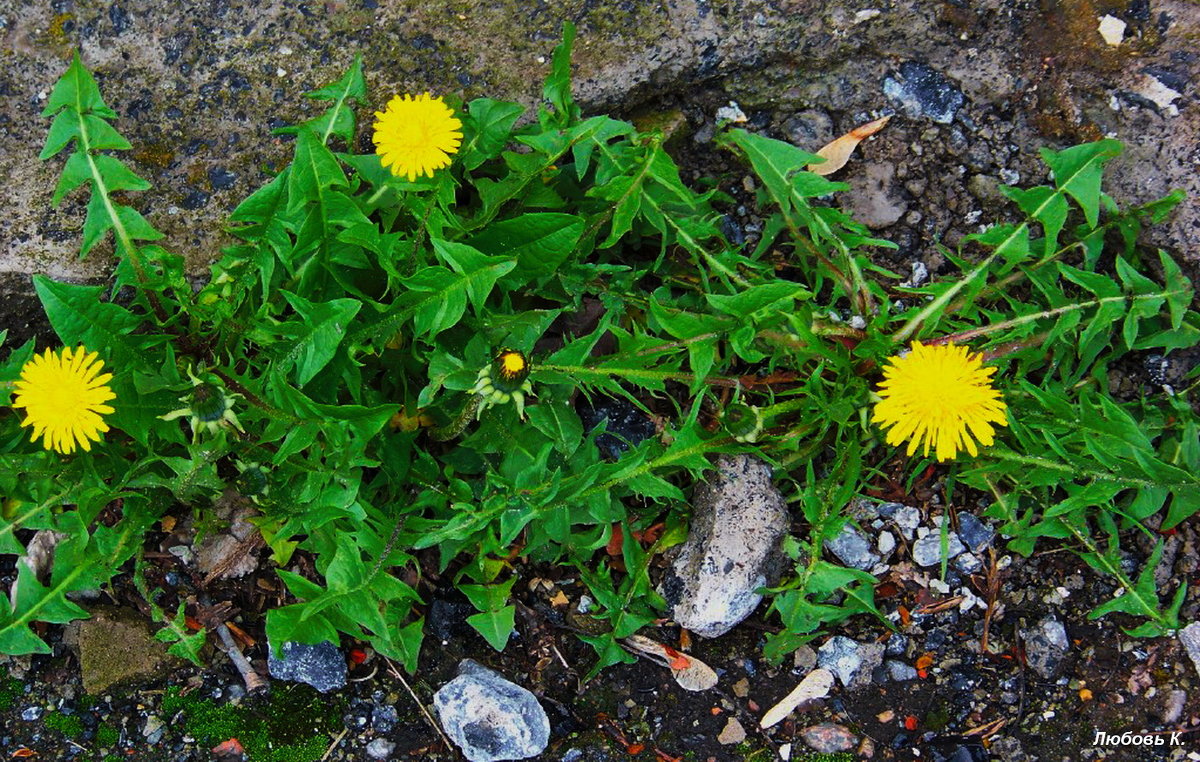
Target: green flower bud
[[744, 422]]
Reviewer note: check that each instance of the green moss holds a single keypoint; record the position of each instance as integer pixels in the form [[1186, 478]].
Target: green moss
[[10, 688], [841, 756], [68, 724], [112, 758], [292, 725], [107, 735]]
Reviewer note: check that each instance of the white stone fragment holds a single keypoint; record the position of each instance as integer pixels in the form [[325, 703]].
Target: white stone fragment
[[1112, 29]]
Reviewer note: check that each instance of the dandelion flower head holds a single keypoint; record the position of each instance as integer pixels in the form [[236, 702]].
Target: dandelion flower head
[[940, 398], [416, 135], [64, 398], [512, 364]]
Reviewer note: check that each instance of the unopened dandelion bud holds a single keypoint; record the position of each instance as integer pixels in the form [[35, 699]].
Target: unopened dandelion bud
[[743, 422]]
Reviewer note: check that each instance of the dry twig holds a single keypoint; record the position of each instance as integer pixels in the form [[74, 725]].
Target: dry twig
[[424, 712], [334, 745]]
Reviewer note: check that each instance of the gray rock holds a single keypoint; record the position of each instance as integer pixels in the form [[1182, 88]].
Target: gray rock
[[322, 665], [380, 748], [897, 645], [154, 728], [1190, 638], [1045, 646], [908, 519], [919, 91], [32, 713], [974, 533], [850, 661], [927, 551], [384, 718], [738, 520], [968, 563], [885, 544], [490, 718], [888, 510], [899, 671], [852, 549]]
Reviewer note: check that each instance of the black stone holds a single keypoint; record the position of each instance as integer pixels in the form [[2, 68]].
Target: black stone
[[626, 424], [447, 619], [119, 18], [221, 178], [197, 199]]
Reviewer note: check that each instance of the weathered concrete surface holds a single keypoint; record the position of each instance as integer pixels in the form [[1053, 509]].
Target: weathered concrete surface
[[199, 87]]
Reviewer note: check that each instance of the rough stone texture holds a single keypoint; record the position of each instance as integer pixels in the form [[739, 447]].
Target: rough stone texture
[[852, 549], [738, 520], [968, 563], [490, 718], [850, 661], [1045, 646], [1190, 638], [919, 91], [115, 646], [908, 519], [974, 533], [828, 738], [322, 665], [732, 733], [380, 748], [199, 86], [927, 551], [899, 671]]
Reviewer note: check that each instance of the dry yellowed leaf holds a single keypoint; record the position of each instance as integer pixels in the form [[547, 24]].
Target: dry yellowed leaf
[[691, 673], [696, 676], [815, 685], [837, 153]]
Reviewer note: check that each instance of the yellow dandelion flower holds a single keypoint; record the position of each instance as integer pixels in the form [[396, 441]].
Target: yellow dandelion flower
[[63, 396], [416, 135], [939, 397]]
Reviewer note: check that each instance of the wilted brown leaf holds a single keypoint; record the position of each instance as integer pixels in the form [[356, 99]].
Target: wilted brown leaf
[[231, 553], [691, 673], [837, 153]]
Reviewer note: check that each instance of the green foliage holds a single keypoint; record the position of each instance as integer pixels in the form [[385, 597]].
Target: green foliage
[[184, 644], [353, 310]]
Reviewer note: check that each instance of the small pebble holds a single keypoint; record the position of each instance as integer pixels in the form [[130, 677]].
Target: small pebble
[[732, 733], [828, 738], [380, 748]]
